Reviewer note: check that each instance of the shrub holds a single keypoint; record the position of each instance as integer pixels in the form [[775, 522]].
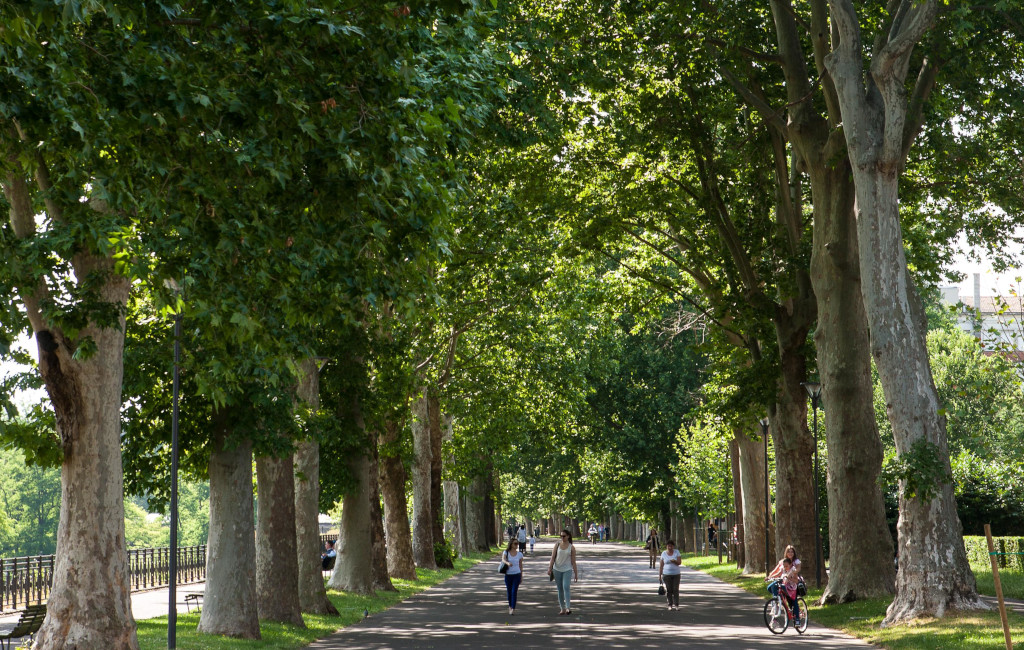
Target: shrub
[[1009, 548], [444, 554]]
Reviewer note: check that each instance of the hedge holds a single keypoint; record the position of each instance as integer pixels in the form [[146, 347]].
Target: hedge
[[977, 551]]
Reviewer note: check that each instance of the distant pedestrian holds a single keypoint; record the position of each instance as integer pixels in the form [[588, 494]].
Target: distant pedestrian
[[521, 537], [653, 547], [512, 557], [328, 557], [669, 573], [600, 532], [561, 567], [533, 539], [592, 534], [712, 534]]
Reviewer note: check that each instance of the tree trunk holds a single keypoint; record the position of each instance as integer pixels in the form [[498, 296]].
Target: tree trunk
[[462, 529], [353, 570], [794, 451], [436, 487], [312, 594], [860, 545], [381, 579], [752, 471], [422, 524], [859, 539], [391, 476], [476, 515], [229, 605], [934, 574], [452, 517], [90, 603], [737, 497], [277, 567]]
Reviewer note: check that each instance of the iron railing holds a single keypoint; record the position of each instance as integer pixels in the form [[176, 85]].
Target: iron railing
[[27, 581]]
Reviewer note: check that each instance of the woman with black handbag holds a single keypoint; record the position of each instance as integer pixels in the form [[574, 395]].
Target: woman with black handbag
[[512, 567], [669, 573]]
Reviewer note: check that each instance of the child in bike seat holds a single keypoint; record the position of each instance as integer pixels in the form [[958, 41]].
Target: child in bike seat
[[790, 580]]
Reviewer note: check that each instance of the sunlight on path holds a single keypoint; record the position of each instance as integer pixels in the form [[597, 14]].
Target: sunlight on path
[[615, 605]]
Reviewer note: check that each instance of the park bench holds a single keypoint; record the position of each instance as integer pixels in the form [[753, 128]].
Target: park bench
[[29, 623], [193, 599]]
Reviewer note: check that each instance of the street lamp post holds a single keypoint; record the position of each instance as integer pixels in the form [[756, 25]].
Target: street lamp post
[[813, 389], [172, 596], [764, 435]]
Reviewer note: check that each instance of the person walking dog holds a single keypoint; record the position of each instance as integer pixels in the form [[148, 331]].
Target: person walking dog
[[561, 567]]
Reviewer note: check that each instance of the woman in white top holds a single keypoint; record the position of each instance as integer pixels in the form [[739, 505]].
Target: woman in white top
[[669, 573], [561, 566], [513, 557]]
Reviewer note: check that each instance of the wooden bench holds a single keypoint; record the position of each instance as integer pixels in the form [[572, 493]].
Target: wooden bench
[[29, 623], [193, 599]]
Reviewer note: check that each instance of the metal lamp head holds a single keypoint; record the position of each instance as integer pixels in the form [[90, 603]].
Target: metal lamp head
[[813, 388], [763, 422]]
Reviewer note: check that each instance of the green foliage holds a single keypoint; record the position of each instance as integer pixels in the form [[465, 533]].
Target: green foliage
[[444, 554], [703, 472], [29, 505], [989, 491], [920, 471], [1010, 551]]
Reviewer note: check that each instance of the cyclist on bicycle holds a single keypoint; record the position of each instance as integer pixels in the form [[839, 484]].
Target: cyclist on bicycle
[[788, 578]]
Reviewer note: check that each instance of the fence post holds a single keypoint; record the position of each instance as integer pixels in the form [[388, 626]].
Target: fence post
[[999, 587]]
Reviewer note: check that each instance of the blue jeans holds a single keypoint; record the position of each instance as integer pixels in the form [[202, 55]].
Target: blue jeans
[[512, 587], [562, 580]]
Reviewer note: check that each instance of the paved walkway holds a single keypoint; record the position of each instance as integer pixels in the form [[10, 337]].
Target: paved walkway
[[614, 605]]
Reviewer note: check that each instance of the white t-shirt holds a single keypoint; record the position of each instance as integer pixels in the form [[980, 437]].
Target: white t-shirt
[[521, 536], [515, 562], [670, 569], [531, 539]]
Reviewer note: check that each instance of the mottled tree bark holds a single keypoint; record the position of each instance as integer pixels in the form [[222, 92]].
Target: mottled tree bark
[[391, 477], [794, 451], [452, 511], [436, 487], [752, 471], [90, 604], [934, 575], [476, 514], [312, 593], [422, 511], [353, 570], [277, 566], [381, 578], [860, 545], [737, 497], [229, 604]]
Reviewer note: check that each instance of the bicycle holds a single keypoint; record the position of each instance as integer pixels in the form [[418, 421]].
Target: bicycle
[[777, 614]]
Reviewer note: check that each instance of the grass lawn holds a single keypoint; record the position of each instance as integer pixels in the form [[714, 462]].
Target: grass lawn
[[1012, 581], [862, 619], [153, 632]]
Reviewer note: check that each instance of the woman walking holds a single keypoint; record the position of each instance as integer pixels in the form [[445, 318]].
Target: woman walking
[[653, 547], [513, 557], [669, 573], [561, 567]]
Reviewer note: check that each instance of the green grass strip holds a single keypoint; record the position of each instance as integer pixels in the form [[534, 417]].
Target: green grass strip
[[862, 619], [277, 636]]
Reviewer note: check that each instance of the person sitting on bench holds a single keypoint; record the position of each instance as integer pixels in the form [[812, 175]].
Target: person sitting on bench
[[328, 557]]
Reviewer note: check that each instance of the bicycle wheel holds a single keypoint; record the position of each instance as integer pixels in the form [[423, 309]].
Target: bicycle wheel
[[804, 617], [775, 618]]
